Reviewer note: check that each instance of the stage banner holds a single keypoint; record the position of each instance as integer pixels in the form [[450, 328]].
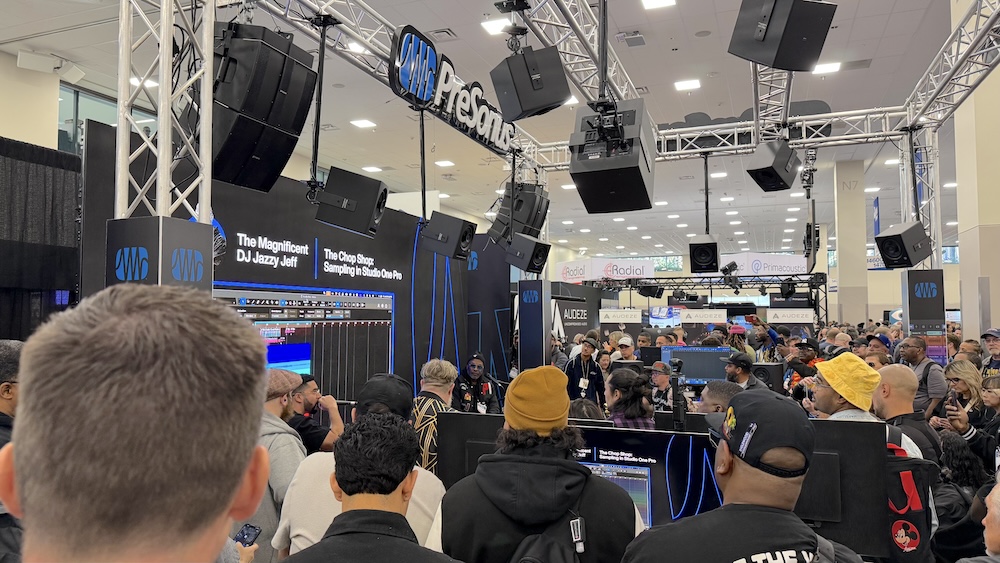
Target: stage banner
[[570, 317], [628, 321], [761, 264], [603, 268]]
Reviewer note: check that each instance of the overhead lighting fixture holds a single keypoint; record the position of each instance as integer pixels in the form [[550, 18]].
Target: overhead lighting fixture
[[149, 83], [443, 196], [567, 222], [495, 27], [826, 68], [681, 225], [501, 191], [583, 248], [791, 219], [632, 228], [619, 247], [744, 249], [739, 232], [569, 186], [562, 241], [444, 163], [870, 244], [732, 212], [490, 213], [355, 47], [685, 85], [363, 123], [794, 209], [571, 101], [786, 240], [872, 190], [673, 216], [741, 242], [599, 254], [603, 239], [372, 169], [657, 246], [789, 230], [646, 237], [727, 199], [618, 219], [736, 222], [584, 230], [951, 224], [786, 248], [798, 194], [950, 185], [670, 252], [633, 253], [689, 235], [718, 175], [654, 4], [892, 162], [664, 203]]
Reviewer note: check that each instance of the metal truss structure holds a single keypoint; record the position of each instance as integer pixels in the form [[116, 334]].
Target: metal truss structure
[[173, 84], [811, 282], [772, 88]]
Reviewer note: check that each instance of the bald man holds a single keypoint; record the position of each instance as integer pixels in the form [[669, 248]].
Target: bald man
[[893, 402]]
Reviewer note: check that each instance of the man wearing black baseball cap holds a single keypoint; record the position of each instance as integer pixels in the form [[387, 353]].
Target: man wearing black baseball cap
[[738, 368], [586, 381], [803, 360], [765, 443]]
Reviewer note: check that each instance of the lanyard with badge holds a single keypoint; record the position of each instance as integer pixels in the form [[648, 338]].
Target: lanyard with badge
[[584, 378]]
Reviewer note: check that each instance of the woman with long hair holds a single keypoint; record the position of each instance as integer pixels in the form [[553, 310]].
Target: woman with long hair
[[966, 389], [629, 399], [983, 441], [604, 360]]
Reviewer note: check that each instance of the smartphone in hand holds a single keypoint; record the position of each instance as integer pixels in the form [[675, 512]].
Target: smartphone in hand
[[247, 535]]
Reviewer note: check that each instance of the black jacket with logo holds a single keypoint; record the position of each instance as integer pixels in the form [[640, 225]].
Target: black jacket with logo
[[468, 393]]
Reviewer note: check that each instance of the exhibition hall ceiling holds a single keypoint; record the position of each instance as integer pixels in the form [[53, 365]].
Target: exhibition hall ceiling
[[888, 43]]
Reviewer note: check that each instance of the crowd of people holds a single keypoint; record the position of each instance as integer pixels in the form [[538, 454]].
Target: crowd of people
[[181, 440]]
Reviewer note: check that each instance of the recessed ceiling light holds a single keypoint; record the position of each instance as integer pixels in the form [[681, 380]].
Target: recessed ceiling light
[[569, 186], [583, 248], [794, 209], [892, 162], [736, 222], [689, 235], [562, 241], [718, 175], [372, 169], [584, 230], [872, 189], [495, 27], [829, 246], [798, 194], [684, 85], [826, 68], [619, 247], [741, 242], [726, 199], [618, 219], [681, 225], [791, 219], [646, 237], [490, 213], [149, 83], [363, 123], [633, 253], [603, 239], [658, 245], [501, 191], [599, 254], [739, 233], [789, 230], [950, 185], [951, 224], [732, 212], [670, 252], [870, 244], [632, 228], [653, 4], [673, 216], [744, 249], [567, 222], [443, 196], [572, 101], [664, 203], [786, 248], [831, 238], [786, 240], [444, 163]]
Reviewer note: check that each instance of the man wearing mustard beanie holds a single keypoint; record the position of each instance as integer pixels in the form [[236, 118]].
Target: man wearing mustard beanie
[[532, 483], [843, 389]]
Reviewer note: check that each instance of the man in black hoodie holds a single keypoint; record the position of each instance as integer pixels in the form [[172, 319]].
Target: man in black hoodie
[[475, 389], [531, 483]]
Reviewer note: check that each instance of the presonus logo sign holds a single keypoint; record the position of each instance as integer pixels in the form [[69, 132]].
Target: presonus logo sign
[[925, 290], [187, 265], [473, 261], [530, 296], [131, 263], [425, 78]]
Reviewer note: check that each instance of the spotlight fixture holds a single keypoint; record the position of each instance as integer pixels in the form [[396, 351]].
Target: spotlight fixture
[[679, 294], [730, 268], [787, 289], [763, 290]]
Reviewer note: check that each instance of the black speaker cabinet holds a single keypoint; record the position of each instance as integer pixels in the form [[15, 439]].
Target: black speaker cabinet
[[530, 209], [774, 166], [782, 34], [530, 83], [527, 253], [904, 245], [704, 252], [352, 202], [650, 291], [772, 375], [613, 176], [448, 235]]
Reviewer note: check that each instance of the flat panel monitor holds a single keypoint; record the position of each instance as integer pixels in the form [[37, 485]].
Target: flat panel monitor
[[669, 475], [693, 422], [701, 364]]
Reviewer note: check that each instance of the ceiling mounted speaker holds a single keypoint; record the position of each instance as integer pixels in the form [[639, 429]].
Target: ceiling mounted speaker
[[774, 166], [652, 291], [530, 209], [787, 289], [37, 62], [447, 235], [352, 202], [704, 251], [782, 34], [530, 83], [904, 245], [527, 253]]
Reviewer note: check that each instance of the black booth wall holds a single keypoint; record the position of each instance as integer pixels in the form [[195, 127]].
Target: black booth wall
[[429, 316], [489, 315]]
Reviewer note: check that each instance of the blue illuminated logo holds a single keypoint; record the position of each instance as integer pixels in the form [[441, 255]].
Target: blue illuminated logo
[[530, 296], [187, 265], [925, 290], [474, 261], [131, 263], [415, 66]]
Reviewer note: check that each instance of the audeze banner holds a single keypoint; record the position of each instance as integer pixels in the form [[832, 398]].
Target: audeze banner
[[703, 316], [791, 316], [425, 78], [622, 316]]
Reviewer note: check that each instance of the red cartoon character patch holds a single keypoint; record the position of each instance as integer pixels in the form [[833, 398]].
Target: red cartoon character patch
[[905, 535]]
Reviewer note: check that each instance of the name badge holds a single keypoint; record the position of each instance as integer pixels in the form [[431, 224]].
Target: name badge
[[584, 383]]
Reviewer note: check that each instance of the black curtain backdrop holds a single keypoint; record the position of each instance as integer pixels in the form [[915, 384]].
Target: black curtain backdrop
[[489, 314], [429, 317], [39, 191]]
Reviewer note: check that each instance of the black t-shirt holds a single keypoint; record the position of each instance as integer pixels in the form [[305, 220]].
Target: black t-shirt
[[311, 432], [737, 533]]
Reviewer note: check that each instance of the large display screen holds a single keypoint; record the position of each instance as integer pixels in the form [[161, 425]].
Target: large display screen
[[701, 364], [339, 337]]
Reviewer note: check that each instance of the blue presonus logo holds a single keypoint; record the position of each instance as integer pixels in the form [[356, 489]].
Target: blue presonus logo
[[415, 66], [474, 261], [187, 265], [530, 296], [925, 290], [131, 263]]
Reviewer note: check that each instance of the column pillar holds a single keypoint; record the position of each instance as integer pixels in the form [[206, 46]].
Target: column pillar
[[976, 149], [852, 235]]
